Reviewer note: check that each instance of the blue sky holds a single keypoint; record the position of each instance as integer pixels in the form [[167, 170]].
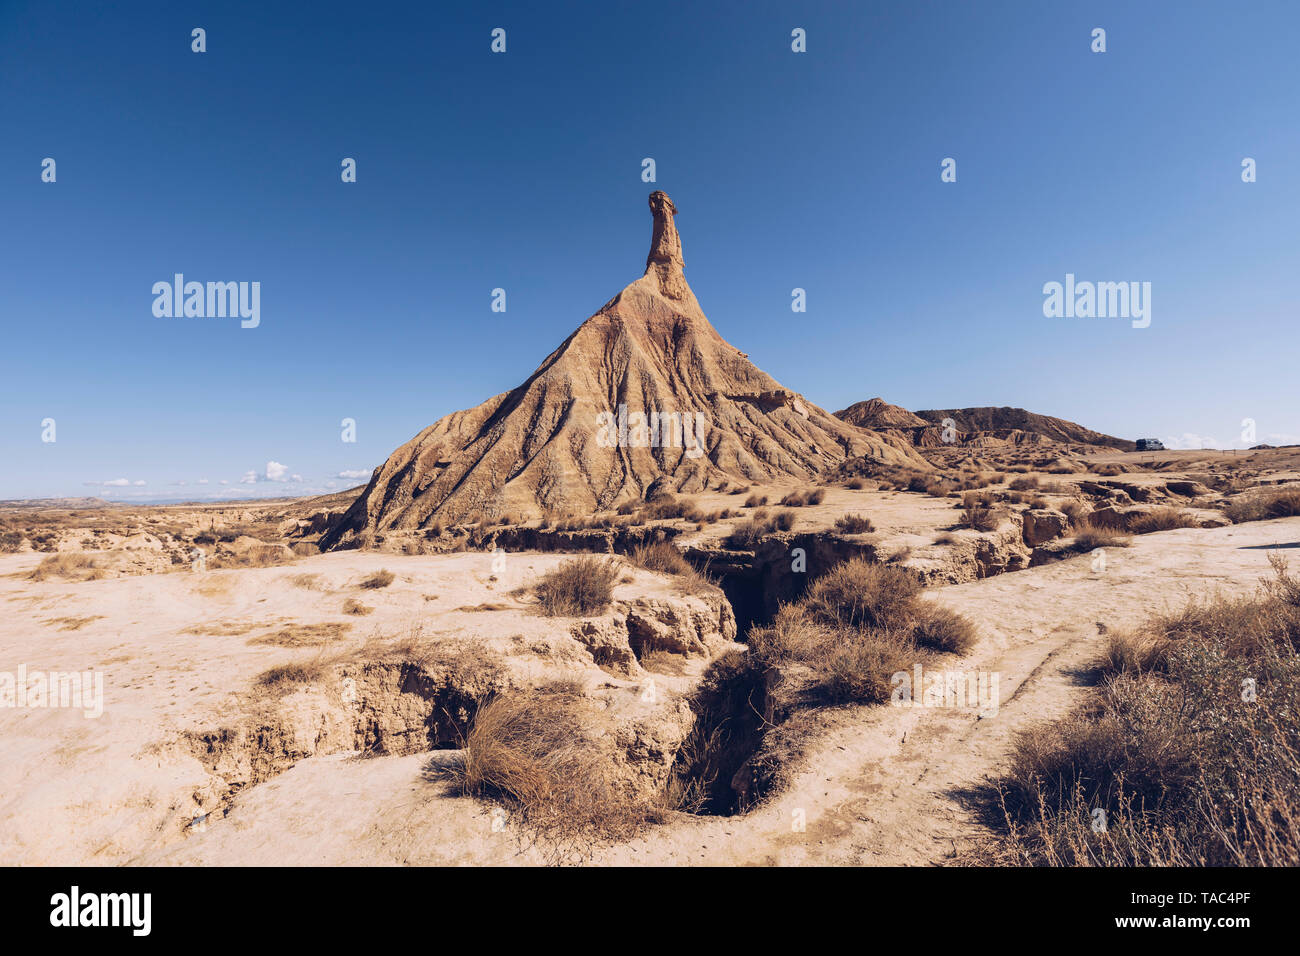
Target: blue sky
[[522, 170]]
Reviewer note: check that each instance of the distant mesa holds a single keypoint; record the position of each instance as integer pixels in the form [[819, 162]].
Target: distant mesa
[[573, 438], [985, 426]]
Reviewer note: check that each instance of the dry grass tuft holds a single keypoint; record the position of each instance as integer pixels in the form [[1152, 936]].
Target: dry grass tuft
[[1089, 536], [543, 757], [854, 524], [380, 579], [857, 593], [1281, 502], [1161, 519], [579, 586], [74, 565]]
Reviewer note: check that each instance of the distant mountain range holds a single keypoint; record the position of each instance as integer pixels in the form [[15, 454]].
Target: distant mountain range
[[978, 426]]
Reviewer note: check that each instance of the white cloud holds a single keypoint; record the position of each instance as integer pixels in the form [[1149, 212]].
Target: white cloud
[[140, 483], [203, 481], [1190, 440], [250, 477], [224, 481], [275, 471], [295, 478], [354, 473]]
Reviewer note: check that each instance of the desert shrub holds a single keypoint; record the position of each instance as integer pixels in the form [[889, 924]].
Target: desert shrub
[[1281, 502], [943, 630], [854, 524], [10, 541], [67, 564], [848, 666], [1024, 483], [755, 501], [946, 537], [855, 484], [352, 606], [783, 520], [978, 517], [1161, 519], [1089, 535], [748, 533], [380, 579], [857, 593], [1187, 771], [859, 669], [305, 549], [817, 496], [287, 676], [628, 507], [795, 499], [662, 557], [544, 757], [918, 483], [582, 585]]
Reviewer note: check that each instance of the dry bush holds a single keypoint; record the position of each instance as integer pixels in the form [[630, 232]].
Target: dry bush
[[943, 630], [817, 496], [660, 556], [305, 549], [847, 666], [857, 593], [1188, 771], [305, 635], [854, 524], [579, 586], [755, 501], [543, 757], [10, 541], [1026, 483], [67, 564], [978, 517], [256, 556], [1134, 652], [859, 669], [1161, 519], [380, 579], [1089, 536], [795, 499], [1077, 511], [783, 520], [855, 484], [1281, 502], [946, 538], [287, 677], [352, 606], [309, 582]]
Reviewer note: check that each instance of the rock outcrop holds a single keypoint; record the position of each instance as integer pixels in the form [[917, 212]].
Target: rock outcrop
[[645, 391]]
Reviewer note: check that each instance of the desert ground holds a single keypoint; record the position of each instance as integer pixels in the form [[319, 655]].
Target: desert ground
[[266, 703]]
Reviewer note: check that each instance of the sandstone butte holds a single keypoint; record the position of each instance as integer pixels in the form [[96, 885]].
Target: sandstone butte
[[540, 448]]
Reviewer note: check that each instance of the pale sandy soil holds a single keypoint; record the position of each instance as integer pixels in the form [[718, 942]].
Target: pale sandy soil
[[180, 651], [883, 785]]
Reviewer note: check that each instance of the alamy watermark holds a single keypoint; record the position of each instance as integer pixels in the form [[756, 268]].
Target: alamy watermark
[[80, 690], [215, 300], [1098, 300], [966, 690], [656, 430]]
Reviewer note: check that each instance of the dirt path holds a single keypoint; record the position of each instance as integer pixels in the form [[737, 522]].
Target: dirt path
[[884, 784]]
